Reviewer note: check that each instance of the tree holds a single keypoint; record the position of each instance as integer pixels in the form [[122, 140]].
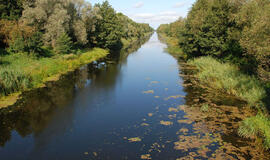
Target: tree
[[254, 18], [55, 17], [11, 9], [108, 28]]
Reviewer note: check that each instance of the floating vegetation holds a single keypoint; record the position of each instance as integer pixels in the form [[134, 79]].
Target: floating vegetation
[[187, 121], [172, 116], [171, 109], [95, 154], [150, 114], [135, 139], [146, 156], [188, 142], [166, 89], [174, 97], [204, 108], [183, 130], [86, 153], [166, 123], [179, 108], [154, 82], [149, 92], [157, 96], [144, 124]]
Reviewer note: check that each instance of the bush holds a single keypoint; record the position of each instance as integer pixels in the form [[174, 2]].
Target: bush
[[12, 81], [34, 43], [63, 44], [18, 45]]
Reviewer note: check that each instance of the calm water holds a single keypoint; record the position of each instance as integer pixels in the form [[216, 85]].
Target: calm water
[[116, 109]]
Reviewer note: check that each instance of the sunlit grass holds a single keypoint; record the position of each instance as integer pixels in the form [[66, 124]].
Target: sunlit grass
[[21, 71], [227, 78], [257, 125]]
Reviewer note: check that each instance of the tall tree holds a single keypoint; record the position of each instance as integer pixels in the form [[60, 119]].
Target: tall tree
[[108, 28]]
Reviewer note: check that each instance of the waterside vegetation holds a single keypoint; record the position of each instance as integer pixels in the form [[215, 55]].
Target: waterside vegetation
[[228, 43], [42, 39]]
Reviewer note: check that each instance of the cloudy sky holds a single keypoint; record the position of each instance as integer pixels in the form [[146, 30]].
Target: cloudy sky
[[154, 12]]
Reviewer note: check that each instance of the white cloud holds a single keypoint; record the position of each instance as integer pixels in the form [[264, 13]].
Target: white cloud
[[156, 19], [162, 17], [138, 5], [180, 4]]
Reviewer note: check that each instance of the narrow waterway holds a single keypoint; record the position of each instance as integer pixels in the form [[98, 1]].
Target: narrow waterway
[[130, 107]]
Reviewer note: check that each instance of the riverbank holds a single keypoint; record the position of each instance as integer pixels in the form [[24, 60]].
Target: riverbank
[[22, 72], [172, 46], [227, 79]]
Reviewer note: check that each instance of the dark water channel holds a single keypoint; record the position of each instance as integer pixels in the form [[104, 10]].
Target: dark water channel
[[129, 107]]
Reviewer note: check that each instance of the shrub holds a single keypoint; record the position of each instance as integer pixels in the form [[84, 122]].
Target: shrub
[[63, 44], [18, 45], [34, 43]]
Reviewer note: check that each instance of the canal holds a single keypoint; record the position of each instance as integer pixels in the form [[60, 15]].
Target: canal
[[134, 106]]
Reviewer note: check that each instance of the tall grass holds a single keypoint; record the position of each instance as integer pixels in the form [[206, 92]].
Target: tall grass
[[257, 125], [21, 71], [227, 78], [13, 81]]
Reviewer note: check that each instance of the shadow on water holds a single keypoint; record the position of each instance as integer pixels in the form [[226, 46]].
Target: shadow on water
[[35, 110], [132, 105]]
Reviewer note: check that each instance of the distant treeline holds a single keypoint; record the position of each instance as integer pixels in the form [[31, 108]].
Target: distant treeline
[[61, 25], [232, 30]]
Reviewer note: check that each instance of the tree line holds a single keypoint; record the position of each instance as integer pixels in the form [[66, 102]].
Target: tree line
[[231, 30], [63, 25]]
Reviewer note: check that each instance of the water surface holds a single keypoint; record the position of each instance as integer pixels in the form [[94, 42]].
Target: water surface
[[128, 107]]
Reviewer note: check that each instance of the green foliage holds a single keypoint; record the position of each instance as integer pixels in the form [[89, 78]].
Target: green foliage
[[63, 44], [254, 18], [227, 78], [132, 29], [31, 44], [254, 126], [108, 28], [18, 45], [24, 71], [34, 43], [10, 9], [12, 81]]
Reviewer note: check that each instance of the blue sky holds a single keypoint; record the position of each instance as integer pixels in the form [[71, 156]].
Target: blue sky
[[154, 12]]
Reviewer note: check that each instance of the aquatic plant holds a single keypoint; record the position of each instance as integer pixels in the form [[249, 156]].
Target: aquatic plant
[[204, 108]]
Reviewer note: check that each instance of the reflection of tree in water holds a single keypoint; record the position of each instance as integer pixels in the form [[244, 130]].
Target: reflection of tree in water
[[34, 113], [37, 110]]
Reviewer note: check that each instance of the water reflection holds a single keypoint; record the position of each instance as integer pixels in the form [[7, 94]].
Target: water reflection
[[41, 109]]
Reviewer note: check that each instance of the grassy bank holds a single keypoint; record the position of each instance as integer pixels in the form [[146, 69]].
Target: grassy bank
[[226, 78], [173, 46], [21, 72]]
